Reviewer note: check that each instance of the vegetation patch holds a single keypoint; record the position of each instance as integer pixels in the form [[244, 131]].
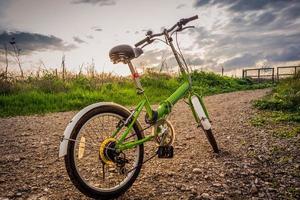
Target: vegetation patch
[[50, 93], [284, 133], [258, 120], [281, 106], [284, 97]]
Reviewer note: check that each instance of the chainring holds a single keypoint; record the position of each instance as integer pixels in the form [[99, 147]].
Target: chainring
[[164, 133]]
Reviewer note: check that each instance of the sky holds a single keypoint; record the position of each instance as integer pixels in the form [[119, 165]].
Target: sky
[[233, 34]]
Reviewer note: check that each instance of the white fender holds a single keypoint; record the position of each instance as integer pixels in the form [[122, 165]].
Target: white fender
[[67, 133], [200, 113]]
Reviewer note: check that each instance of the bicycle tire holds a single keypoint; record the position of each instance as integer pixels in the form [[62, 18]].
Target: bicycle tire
[[70, 163]]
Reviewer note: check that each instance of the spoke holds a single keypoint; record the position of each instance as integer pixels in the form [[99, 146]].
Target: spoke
[[130, 136], [91, 139], [103, 171], [102, 126], [92, 127], [78, 142]]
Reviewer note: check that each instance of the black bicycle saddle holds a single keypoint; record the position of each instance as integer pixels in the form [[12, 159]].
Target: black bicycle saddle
[[124, 53]]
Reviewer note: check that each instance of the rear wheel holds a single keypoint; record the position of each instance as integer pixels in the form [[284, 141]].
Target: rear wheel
[[212, 140], [93, 164]]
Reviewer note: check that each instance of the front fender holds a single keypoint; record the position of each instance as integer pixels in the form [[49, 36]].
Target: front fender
[[67, 133], [199, 111]]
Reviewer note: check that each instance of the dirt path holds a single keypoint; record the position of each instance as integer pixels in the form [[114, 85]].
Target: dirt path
[[30, 168]]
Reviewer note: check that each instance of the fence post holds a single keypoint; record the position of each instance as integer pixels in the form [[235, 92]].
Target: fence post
[[6, 61], [258, 75], [223, 70], [278, 73], [243, 75], [273, 75]]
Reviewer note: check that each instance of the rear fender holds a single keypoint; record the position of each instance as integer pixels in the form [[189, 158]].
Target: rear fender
[[67, 133]]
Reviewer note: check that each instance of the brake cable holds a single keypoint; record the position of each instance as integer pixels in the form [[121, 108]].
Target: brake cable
[[161, 41], [182, 58]]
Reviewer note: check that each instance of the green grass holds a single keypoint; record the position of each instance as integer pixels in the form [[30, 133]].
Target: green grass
[[281, 106], [287, 133], [258, 120], [284, 97], [284, 101], [51, 94]]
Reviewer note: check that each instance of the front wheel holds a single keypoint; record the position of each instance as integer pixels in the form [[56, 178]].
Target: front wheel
[[212, 140], [91, 161]]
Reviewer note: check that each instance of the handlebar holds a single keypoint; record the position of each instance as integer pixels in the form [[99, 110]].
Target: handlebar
[[142, 41], [179, 24]]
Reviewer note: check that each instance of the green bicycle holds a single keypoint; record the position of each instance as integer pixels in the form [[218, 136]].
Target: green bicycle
[[103, 143]]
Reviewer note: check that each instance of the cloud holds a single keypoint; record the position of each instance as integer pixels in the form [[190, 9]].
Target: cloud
[[180, 6], [291, 53], [3, 7], [242, 5], [194, 60], [95, 2], [244, 60], [199, 3], [250, 31], [96, 28], [29, 42], [292, 12], [2, 58], [246, 49], [155, 58], [78, 40], [263, 19]]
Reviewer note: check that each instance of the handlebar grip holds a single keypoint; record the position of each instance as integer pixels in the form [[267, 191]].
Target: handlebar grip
[[185, 21], [193, 18], [142, 42]]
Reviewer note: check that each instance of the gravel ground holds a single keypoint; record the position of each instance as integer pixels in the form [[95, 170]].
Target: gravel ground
[[253, 164]]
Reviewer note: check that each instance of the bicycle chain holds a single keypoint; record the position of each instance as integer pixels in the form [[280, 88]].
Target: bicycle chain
[[151, 157], [142, 163]]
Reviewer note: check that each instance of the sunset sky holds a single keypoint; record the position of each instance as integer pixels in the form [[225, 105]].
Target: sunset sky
[[230, 33]]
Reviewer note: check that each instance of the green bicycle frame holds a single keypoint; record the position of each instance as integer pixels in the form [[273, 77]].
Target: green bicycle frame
[[163, 110], [164, 107]]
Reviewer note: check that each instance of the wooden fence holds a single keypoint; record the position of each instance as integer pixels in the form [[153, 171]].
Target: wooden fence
[[296, 69], [264, 74], [260, 74]]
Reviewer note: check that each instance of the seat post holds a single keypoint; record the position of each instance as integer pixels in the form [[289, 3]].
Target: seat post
[[136, 78]]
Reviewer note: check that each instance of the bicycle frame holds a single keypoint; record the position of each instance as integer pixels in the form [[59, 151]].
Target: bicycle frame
[[164, 108]]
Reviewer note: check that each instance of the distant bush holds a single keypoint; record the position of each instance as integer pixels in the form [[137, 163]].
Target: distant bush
[[6, 86]]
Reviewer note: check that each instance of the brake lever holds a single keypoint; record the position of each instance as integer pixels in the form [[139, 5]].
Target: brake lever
[[149, 33], [187, 27], [181, 29]]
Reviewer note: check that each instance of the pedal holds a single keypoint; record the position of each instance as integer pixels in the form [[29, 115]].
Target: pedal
[[165, 152]]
